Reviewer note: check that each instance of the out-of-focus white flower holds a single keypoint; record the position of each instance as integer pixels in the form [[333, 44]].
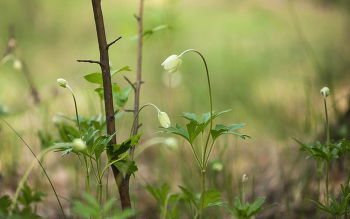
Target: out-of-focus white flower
[[79, 144], [172, 63], [56, 120], [217, 166], [172, 143], [163, 119], [17, 65], [244, 178], [325, 91], [61, 82]]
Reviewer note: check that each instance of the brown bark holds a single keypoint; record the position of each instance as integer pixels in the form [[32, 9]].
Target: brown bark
[[108, 97]]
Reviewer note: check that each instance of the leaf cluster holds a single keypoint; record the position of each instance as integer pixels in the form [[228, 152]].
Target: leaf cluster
[[120, 95], [92, 209], [248, 210], [27, 198], [163, 199], [211, 198]]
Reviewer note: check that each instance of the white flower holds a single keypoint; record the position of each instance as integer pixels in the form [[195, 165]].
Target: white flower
[[325, 91], [163, 119], [172, 143], [17, 65], [61, 82], [172, 63], [79, 144], [217, 166], [244, 178]]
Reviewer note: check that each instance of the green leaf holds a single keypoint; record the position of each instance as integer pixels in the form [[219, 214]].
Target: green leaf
[[220, 113], [116, 150], [125, 68], [222, 129], [177, 131], [95, 78], [190, 196], [116, 90], [210, 197], [191, 117], [151, 31], [128, 167], [123, 97], [172, 198], [5, 202]]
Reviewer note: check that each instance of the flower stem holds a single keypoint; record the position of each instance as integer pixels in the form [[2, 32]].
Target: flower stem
[[147, 104], [210, 98], [328, 162], [76, 109], [203, 193], [24, 178]]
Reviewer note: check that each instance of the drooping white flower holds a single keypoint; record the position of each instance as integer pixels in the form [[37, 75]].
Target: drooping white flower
[[172, 63], [163, 119], [325, 91], [79, 144], [61, 82], [244, 178]]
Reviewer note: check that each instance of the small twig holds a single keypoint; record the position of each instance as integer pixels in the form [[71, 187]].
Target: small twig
[[128, 110], [108, 45], [130, 83], [137, 17], [139, 126], [90, 61]]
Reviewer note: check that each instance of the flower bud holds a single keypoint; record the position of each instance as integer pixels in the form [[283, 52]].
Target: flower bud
[[17, 65], [172, 63], [325, 91], [163, 119], [61, 82], [217, 166], [79, 144], [244, 178], [172, 143]]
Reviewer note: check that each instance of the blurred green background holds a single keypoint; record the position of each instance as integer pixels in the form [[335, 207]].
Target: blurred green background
[[267, 60]]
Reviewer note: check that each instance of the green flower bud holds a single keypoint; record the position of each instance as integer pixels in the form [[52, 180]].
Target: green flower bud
[[61, 82], [172, 63], [79, 144], [163, 119], [325, 91]]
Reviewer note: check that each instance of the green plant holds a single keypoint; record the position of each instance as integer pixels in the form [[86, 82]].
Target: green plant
[[93, 209], [194, 128], [164, 199]]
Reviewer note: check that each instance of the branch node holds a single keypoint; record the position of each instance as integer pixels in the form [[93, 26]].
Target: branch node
[[139, 126], [137, 17], [90, 61], [133, 86], [108, 45], [127, 110]]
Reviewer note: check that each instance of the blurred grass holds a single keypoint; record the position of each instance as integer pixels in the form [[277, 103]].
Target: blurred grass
[[258, 69]]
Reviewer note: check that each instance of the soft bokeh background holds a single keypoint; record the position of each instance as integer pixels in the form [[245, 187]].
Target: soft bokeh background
[[267, 59]]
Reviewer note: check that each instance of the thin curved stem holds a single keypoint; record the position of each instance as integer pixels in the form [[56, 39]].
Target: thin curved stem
[[103, 172], [24, 178], [147, 104], [47, 176], [203, 193], [76, 110], [210, 97]]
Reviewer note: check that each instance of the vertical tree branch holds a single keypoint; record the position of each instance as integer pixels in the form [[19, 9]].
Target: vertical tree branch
[[108, 97], [138, 82]]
